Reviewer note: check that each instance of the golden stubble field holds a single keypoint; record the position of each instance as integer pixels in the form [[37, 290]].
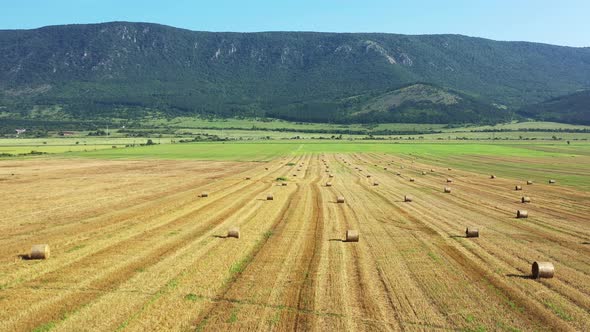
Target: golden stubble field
[[134, 247]]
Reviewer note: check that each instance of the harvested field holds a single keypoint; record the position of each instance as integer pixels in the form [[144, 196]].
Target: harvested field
[[132, 249]]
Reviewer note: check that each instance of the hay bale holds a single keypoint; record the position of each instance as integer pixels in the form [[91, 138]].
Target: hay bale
[[269, 197], [471, 232], [204, 194], [407, 198], [449, 180], [368, 175], [266, 168], [450, 169], [402, 167], [447, 190], [284, 184], [375, 183], [40, 251], [529, 182], [412, 179], [517, 187], [328, 184], [352, 236], [384, 168], [432, 170], [551, 181], [331, 175], [248, 178], [492, 176], [234, 232], [340, 199], [543, 270], [522, 214], [525, 199], [423, 173]]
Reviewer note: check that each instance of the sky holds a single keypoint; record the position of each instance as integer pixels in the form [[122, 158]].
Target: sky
[[565, 22]]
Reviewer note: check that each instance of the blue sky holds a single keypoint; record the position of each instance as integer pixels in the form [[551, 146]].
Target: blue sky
[[565, 22]]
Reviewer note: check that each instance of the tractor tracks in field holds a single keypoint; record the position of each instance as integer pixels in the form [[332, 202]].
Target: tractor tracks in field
[[110, 277]]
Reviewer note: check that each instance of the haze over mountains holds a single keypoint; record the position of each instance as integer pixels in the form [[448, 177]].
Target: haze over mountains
[[131, 69]]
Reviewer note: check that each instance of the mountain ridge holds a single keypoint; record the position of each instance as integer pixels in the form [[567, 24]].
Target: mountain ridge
[[104, 66]]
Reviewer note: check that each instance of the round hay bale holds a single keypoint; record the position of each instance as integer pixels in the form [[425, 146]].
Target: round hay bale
[[525, 199], [398, 173], [423, 173], [248, 178], [284, 184], [529, 182], [402, 167], [352, 235], [340, 199], [492, 176], [471, 232], [266, 168], [517, 187], [447, 190], [384, 168], [204, 194], [269, 197], [328, 184], [412, 179], [522, 214], [432, 170], [407, 198], [40, 251], [551, 181], [368, 175], [375, 183], [327, 171], [234, 232], [450, 169], [449, 180], [543, 270], [294, 174], [331, 175]]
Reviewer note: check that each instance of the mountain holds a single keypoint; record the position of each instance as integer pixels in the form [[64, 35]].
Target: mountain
[[572, 108], [130, 69]]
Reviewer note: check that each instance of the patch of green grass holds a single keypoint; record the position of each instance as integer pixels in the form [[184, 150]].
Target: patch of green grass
[[237, 267], [281, 178], [78, 247], [276, 318], [45, 327], [513, 305], [233, 316], [170, 285], [434, 257], [505, 327], [558, 310], [191, 297], [290, 164], [267, 234]]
